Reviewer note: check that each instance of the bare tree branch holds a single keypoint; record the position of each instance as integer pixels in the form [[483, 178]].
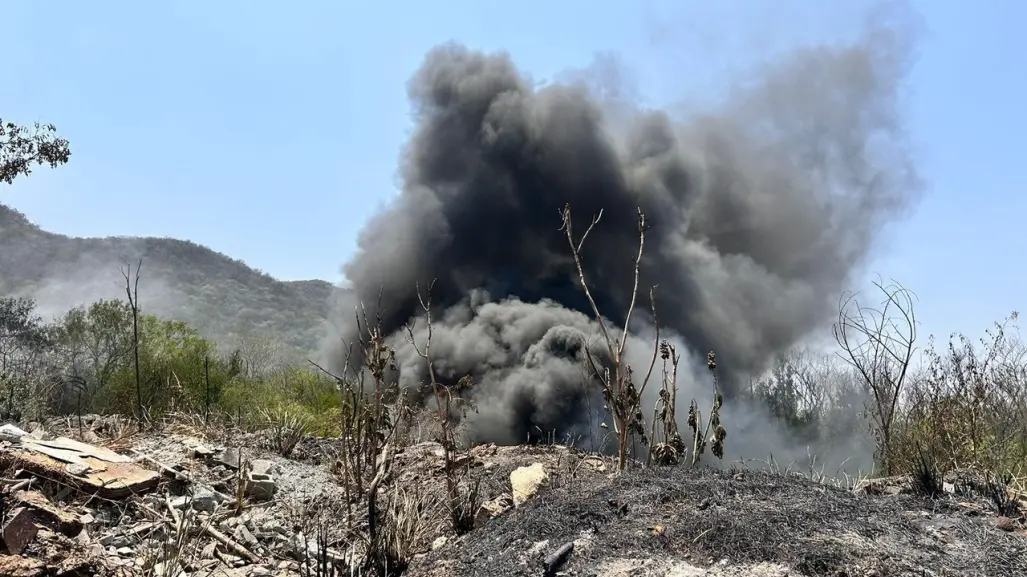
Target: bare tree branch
[[622, 396], [879, 343], [132, 291]]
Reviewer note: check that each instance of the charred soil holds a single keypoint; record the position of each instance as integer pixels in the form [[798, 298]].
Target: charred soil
[[718, 519]]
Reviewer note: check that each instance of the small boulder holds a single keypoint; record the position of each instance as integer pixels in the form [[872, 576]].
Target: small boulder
[[526, 481]]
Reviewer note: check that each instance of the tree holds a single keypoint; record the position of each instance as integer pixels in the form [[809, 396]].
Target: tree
[[21, 148], [95, 343], [132, 291], [22, 338], [879, 342], [17, 325], [258, 354], [794, 390]]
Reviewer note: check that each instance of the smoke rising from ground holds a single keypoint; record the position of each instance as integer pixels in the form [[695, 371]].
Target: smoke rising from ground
[[760, 212]]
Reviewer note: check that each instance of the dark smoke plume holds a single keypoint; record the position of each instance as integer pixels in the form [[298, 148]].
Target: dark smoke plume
[[760, 211]]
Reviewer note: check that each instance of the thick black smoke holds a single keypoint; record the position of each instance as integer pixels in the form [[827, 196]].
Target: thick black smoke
[[760, 211]]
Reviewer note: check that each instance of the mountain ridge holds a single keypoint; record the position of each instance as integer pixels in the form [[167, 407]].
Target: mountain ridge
[[223, 297]]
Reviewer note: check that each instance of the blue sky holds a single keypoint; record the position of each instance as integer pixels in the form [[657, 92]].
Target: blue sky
[[270, 131]]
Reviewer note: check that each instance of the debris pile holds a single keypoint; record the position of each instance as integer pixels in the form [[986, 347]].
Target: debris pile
[[170, 502], [173, 505]]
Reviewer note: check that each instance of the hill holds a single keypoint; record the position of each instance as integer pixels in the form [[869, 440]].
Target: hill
[[221, 296]]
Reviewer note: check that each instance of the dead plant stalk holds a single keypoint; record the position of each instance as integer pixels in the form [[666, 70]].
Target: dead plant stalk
[[461, 515], [623, 398]]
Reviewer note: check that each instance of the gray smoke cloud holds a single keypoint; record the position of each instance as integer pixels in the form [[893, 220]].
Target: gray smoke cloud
[[760, 212]]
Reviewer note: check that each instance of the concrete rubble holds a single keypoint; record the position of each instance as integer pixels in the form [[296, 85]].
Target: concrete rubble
[[78, 500], [68, 507]]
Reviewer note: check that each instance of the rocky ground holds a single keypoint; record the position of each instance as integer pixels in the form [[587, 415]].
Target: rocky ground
[[101, 499]]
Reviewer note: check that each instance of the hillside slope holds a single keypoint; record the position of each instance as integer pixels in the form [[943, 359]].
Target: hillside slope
[[223, 297]]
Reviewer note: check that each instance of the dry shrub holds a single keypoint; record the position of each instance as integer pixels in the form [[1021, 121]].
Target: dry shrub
[[173, 548], [969, 407], [450, 400], [926, 477], [375, 417], [411, 518], [622, 393], [318, 539], [405, 518]]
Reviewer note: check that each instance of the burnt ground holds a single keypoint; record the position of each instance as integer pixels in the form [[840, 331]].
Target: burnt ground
[[724, 519], [645, 523]]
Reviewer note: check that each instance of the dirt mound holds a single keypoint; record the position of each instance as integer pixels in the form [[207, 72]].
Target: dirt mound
[[686, 522]]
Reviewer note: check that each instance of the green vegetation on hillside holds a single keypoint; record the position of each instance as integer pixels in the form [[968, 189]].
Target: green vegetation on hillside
[[83, 363], [223, 298]]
